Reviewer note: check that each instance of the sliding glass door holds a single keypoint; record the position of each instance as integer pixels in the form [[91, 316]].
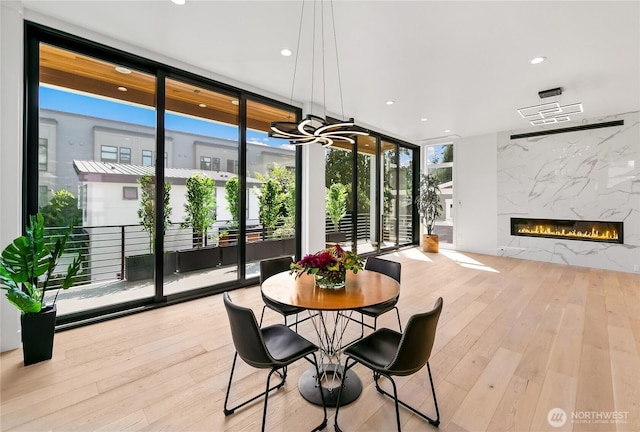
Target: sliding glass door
[[159, 169], [96, 120], [376, 182]]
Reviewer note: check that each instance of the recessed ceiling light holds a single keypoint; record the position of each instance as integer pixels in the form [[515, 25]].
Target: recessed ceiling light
[[202, 105], [235, 102], [447, 130], [123, 70], [537, 60], [122, 89], [423, 119], [286, 52], [178, 2], [390, 102]]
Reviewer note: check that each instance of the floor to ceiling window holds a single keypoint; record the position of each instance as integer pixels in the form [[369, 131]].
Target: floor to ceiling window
[[103, 126], [376, 214], [440, 164], [270, 188], [96, 120], [339, 196], [405, 195], [201, 134]]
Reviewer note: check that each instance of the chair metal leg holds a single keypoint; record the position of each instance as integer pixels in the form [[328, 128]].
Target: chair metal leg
[[435, 422], [262, 316], [266, 399], [324, 406], [229, 411], [399, 322], [344, 374]]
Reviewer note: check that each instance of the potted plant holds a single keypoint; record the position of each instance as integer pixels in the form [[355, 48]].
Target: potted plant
[[430, 208], [28, 269], [336, 205], [329, 266], [200, 212], [142, 266]]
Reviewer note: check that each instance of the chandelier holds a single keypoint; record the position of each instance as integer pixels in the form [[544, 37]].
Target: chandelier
[[549, 112], [314, 128]]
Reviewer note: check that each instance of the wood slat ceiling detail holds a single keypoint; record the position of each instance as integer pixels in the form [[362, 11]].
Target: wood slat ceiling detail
[[85, 74]]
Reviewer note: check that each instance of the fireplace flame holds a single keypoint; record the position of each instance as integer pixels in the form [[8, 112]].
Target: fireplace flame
[[549, 230]]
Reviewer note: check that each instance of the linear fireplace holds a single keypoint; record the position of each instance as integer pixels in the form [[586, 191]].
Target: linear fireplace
[[606, 232]]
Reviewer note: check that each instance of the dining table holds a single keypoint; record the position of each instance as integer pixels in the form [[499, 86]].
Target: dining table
[[330, 312]]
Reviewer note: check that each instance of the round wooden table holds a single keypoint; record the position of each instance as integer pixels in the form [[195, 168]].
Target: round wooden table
[[328, 308]]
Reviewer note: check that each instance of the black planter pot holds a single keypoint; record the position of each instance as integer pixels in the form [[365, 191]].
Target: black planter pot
[[37, 335], [228, 255], [336, 237], [139, 267], [198, 259]]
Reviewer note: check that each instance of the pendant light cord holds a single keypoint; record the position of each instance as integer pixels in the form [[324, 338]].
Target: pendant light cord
[[295, 65], [335, 42], [313, 57]]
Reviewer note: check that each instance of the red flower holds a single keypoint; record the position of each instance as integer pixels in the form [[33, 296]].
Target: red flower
[[333, 259]]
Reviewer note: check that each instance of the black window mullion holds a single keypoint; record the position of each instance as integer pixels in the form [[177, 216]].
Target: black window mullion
[[159, 204], [242, 185], [415, 217], [397, 206], [379, 191], [31, 125], [354, 199]]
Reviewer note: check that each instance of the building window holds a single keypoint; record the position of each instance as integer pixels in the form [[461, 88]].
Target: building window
[[125, 155], [109, 154], [205, 163], [43, 194], [215, 164], [147, 158], [129, 193], [166, 160], [232, 166], [43, 148]]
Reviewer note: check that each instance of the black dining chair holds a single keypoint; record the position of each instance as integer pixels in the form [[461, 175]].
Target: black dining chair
[[274, 347], [391, 269], [389, 353], [268, 268]]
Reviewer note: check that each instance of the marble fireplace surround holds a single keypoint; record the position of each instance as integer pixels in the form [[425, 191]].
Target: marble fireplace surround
[[587, 175]]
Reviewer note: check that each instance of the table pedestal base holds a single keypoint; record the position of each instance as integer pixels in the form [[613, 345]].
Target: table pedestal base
[[308, 386]]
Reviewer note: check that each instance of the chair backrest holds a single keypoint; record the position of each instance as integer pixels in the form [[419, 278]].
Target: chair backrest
[[246, 335], [273, 266], [386, 267], [416, 343]]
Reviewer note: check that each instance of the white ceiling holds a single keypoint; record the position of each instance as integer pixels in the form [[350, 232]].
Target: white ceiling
[[463, 65]]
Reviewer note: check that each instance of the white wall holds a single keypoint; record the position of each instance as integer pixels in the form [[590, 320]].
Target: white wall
[[313, 209], [11, 48], [476, 183]]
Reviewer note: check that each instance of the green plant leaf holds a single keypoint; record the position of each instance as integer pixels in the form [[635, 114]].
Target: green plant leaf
[[27, 257], [23, 301]]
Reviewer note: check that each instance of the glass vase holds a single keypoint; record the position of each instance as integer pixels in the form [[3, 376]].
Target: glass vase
[[331, 279]]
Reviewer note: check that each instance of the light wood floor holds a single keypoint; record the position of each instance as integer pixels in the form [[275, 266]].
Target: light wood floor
[[515, 339]]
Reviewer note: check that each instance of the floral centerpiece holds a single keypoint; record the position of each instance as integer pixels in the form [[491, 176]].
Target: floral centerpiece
[[329, 266]]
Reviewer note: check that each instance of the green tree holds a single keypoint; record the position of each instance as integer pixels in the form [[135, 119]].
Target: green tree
[[339, 169], [336, 203], [200, 207], [146, 211], [232, 195], [61, 210], [288, 228], [270, 202]]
